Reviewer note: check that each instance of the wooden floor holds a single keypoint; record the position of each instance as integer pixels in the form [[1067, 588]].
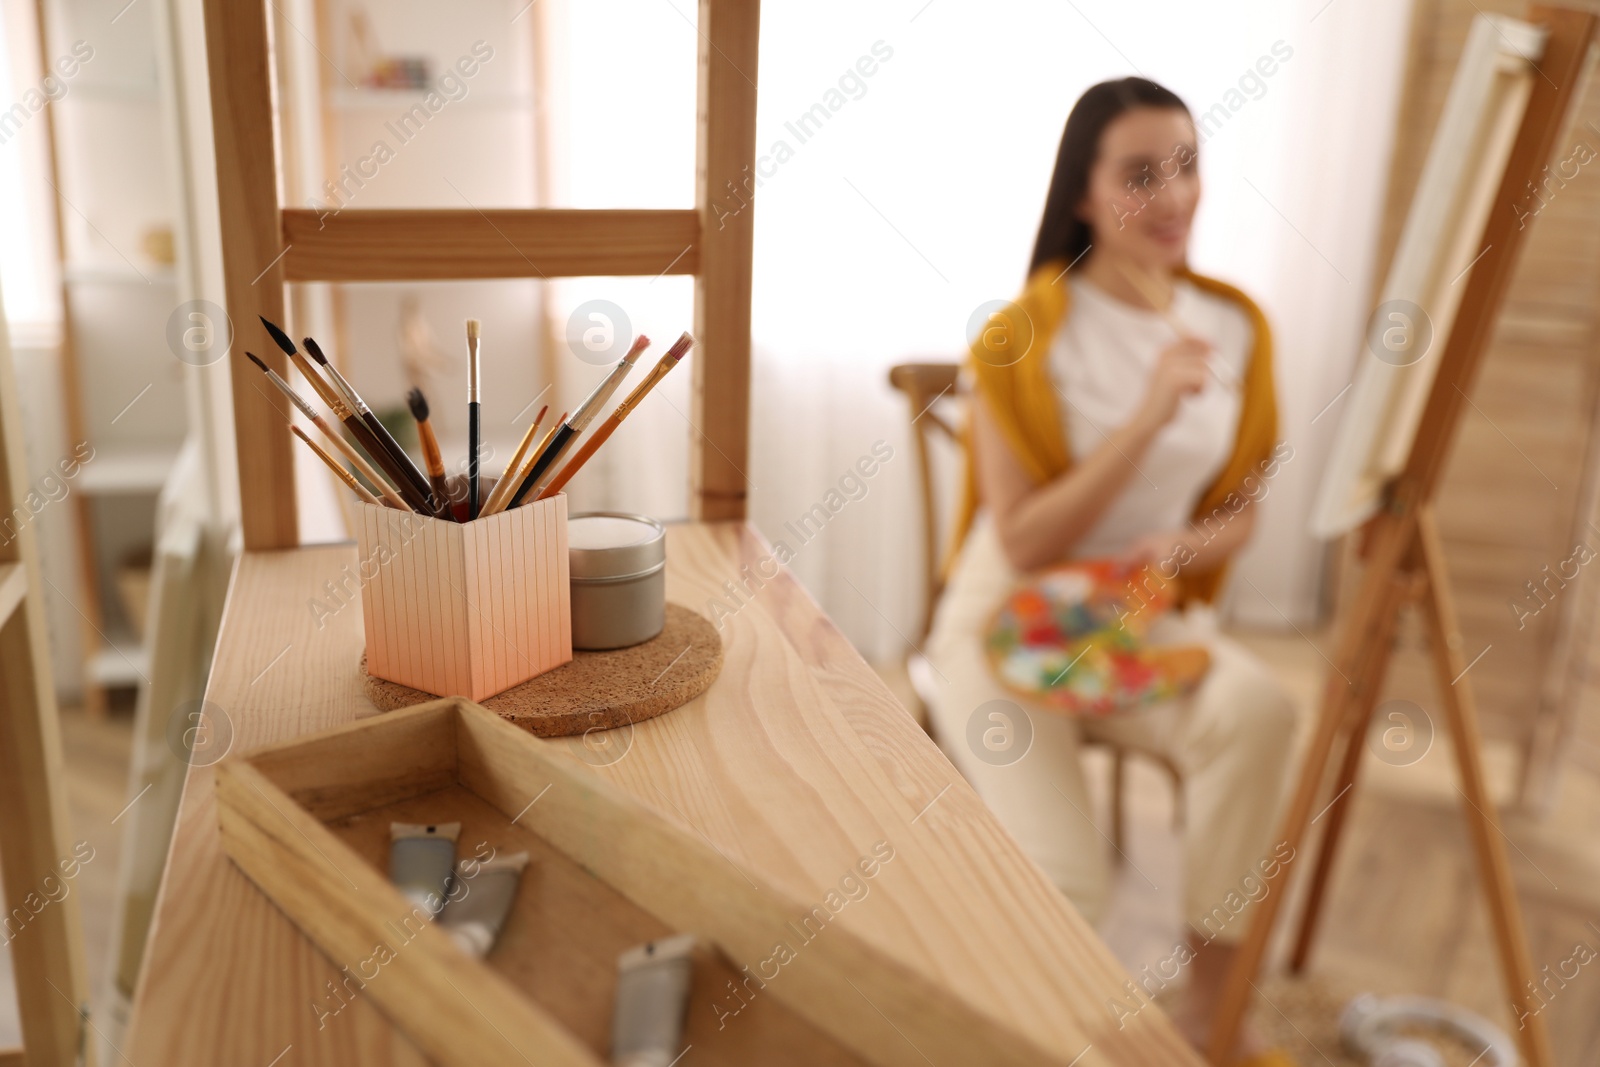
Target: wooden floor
[[1404, 915]]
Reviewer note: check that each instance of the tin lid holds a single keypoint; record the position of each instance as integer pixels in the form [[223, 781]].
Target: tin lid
[[611, 544]]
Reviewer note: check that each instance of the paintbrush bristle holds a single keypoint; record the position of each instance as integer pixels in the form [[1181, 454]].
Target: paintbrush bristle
[[279, 336], [315, 350], [254, 359], [680, 347], [474, 329], [418, 404]]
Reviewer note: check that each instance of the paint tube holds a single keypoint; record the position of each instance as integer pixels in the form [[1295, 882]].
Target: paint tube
[[475, 917], [421, 858], [653, 982]]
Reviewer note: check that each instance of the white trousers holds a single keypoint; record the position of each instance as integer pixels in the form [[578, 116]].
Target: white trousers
[[1231, 739]]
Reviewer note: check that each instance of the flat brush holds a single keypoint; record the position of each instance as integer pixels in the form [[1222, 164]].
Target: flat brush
[[390, 497], [503, 487], [343, 475], [474, 329], [603, 432], [403, 469], [568, 430], [360, 430], [1161, 303], [432, 458]]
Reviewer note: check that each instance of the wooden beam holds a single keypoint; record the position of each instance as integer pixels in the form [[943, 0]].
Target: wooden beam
[[244, 127], [13, 588], [417, 245], [1488, 840], [719, 437], [40, 923]]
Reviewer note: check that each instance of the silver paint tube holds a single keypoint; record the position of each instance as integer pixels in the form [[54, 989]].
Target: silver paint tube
[[421, 857], [475, 917], [653, 983]]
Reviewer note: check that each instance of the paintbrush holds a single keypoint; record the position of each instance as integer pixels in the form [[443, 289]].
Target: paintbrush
[[503, 487], [474, 330], [604, 431], [432, 457], [399, 464], [344, 476], [569, 430], [522, 472], [390, 497], [1161, 303], [359, 428]]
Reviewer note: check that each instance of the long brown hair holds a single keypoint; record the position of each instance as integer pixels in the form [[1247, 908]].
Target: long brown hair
[[1062, 234]]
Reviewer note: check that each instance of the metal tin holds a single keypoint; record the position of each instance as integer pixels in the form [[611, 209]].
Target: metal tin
[[618, 567]]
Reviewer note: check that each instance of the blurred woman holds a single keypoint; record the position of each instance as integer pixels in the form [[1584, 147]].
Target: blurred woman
[[1099, 430]]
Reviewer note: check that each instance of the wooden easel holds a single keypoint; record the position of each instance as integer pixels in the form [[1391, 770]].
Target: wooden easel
[[1405, 564], [47, 943]]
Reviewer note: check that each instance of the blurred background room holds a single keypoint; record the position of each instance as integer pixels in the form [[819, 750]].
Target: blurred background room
[[904, 149]]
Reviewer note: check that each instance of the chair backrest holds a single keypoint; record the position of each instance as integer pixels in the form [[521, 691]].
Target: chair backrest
[[925, 385]]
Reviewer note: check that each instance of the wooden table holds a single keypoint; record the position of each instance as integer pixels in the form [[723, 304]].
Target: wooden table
[[794, 763]]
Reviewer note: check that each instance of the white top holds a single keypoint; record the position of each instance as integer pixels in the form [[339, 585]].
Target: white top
[[1101, 360]]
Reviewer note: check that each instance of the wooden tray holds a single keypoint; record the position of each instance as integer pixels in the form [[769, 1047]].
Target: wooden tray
[[307, 821]]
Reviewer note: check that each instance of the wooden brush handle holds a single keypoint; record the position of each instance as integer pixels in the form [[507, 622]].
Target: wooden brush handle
[[333, 465], [381, 456], [433, 459], [590, 447], [507, 481], [558, 441], [390, 497]]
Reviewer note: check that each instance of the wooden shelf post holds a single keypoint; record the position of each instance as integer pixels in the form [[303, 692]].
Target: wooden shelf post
[[265, 246], [725, 196], [40, 926]]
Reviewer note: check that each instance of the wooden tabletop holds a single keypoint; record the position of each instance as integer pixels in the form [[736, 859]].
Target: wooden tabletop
[[794, 764]]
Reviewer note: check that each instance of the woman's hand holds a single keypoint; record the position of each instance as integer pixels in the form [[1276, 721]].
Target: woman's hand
[[1181, 371]]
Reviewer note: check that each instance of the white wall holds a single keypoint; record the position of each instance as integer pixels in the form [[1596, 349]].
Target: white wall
[[919, 200]]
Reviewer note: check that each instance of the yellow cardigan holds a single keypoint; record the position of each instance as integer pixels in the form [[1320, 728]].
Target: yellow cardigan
[[1022, 399]]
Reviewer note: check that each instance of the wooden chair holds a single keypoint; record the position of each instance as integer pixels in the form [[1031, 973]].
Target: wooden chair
[[42, 928], [925, 386]]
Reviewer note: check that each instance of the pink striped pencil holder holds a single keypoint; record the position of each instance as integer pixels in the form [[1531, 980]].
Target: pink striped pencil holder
[[465, 609]]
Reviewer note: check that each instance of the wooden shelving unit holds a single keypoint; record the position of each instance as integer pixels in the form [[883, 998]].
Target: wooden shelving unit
[[115, 300], [329, 119], [268, 243]]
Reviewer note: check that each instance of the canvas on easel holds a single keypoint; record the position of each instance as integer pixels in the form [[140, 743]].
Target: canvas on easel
[[1508, 103], [1417, 306]]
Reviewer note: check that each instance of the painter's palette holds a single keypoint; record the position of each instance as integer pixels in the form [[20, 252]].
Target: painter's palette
[[1073, 639]]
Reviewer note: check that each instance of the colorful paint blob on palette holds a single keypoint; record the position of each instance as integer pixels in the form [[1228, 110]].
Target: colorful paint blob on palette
[[1071, 640]]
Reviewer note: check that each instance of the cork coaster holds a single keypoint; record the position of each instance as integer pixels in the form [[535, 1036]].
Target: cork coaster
[[597, 690]]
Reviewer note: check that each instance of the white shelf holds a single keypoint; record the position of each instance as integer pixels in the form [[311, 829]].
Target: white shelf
[[120, 93], [401, 99], [118, 274], [127, 469], [125, 662]]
